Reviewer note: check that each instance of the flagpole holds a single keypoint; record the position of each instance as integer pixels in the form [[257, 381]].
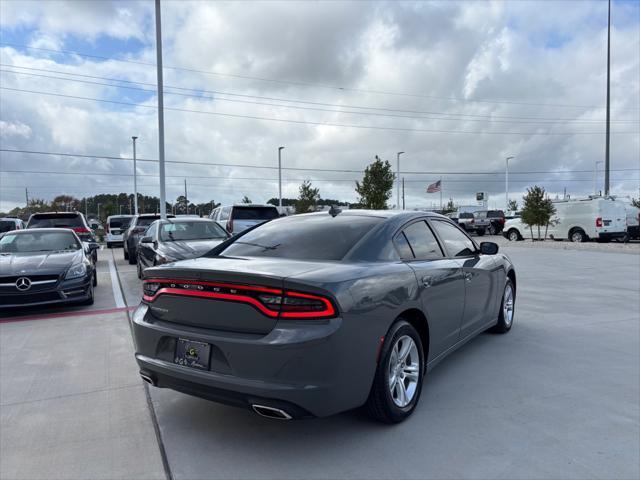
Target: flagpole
[[440, 193]]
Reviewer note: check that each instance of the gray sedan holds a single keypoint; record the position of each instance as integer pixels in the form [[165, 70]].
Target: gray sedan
[[311, 315]]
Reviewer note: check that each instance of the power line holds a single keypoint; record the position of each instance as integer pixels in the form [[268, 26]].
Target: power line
[[306, 122], [406, 172], [416, 114], [298, 83]]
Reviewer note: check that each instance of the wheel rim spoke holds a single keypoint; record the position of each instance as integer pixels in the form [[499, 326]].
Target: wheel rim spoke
[[404, 371]]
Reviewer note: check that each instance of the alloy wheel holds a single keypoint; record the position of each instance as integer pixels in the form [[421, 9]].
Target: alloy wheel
[[507, 305], [404, 371], [513, 236]]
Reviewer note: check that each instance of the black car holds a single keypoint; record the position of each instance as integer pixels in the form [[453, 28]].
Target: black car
[[72, 220], [178, 239], [491, 221], [45, 266], [134, 233]]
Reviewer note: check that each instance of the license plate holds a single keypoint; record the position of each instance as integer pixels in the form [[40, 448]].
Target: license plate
[[192, 354]]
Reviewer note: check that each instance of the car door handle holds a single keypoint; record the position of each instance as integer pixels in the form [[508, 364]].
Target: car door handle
[[427, 280], [468, 276]]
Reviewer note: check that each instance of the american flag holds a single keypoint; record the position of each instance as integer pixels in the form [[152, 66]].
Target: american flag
[[434, 187]]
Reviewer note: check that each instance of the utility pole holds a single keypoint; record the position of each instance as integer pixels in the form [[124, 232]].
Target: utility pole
[[280, 177], [403, 193], [26, 193], [86, 208], [99, 211], [606, 151], [163, 202], [135, 177], [595, 176], [398, 178], [186, 199], [506, 183], [440, 193]]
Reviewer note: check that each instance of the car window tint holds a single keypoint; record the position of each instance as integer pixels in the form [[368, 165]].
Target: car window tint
[[196, 230], [455, 241], [404, 249], [146, 221], [422, 241], [7, 225], [119, 222], [312, 237], [56, 221], [254, 213], [38, 242]]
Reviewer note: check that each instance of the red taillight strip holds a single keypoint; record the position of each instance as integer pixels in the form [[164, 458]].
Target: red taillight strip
[[218, 296], [239, 286], [328, 311]]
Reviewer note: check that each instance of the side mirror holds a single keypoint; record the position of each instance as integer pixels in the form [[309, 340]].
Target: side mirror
[[93, 247], [146, 240], [488, 248]]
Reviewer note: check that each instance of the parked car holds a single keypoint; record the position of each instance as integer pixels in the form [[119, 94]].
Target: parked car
[[73, 220], [314, 314], [42, 266], [237, 218], [10, 223], [490, 221], [515, 230], [597, 218], [633, 218], [176, 239], [465, 220], [134, 233], [115, 227]]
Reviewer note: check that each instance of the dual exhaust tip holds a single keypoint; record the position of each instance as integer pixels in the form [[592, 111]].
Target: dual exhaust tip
[[262, 410]]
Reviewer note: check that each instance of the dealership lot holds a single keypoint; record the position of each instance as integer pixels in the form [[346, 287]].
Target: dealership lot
[[558, 397]]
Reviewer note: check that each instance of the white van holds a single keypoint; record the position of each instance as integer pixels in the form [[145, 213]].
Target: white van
[[597, 218], [115, 227], [633, 217]]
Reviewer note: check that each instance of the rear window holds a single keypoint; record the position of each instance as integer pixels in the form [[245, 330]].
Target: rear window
[[119, 222], [146, 221], [7, 225], [466, 215], [57, 220], [254, 213], [495, 214], [313, 237]]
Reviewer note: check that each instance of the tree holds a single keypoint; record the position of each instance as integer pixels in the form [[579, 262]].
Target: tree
[[376, 185], [512, 205], [537, 210], [308, 197], [246, 199], [635, 202], [449, 207]]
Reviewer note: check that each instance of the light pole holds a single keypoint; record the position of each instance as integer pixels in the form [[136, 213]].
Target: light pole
[[595, 177], [163, 202], [135, 178], [121, 209], [280, 176], [606, 151], [506, 183], [99, 211], [398, 179]]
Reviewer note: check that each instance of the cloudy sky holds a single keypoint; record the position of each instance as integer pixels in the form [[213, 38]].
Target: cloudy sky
[[457, 86]]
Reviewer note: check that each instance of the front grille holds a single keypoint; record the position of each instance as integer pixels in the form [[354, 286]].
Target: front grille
[[33, 278], [26, 299]]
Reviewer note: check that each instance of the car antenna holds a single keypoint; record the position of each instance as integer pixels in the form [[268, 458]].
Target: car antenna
[[334, 210]]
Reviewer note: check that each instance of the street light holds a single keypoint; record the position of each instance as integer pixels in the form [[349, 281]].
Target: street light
[[398, 179], [135, 178], [99, 211], [506, 183], [280, 176]]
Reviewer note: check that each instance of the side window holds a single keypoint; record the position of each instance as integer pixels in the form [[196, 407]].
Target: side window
[[224, 213], [422, 241], [455, 241], [403, 247], [216, 214], [151, 230]]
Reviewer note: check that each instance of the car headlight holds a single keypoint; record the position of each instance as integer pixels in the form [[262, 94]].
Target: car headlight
[[76, 271]]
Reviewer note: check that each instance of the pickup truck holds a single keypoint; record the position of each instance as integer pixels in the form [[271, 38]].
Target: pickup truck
[[489, 221]]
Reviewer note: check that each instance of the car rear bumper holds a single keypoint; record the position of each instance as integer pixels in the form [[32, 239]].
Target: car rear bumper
[[611, 235], [311, 370], [114, 238], [69, 291]]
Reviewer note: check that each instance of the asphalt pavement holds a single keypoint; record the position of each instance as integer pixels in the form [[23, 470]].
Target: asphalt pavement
[[557, 397]]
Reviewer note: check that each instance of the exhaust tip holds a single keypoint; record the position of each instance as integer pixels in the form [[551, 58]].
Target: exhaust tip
[[148, 379], [270, 412]]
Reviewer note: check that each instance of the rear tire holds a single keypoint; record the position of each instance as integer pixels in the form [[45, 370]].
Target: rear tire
[[492, 230], [132, 259], [89, 301], [126, 254], [480, 232], [577, 235], [94, 281], [109, 245], [397, 383], [139, 269], [507, 309]]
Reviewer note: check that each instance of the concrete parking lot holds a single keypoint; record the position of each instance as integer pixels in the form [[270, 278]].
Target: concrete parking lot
[[558, 397]]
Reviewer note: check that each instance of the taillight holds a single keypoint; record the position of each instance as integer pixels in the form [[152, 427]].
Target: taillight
[[107, 228], [230, 225], [80, 230], [599, 222], [273, 302]]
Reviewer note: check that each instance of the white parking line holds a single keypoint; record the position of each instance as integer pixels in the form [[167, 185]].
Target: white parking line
[[115, 285]]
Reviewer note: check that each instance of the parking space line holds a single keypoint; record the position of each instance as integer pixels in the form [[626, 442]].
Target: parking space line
[[79, 313], [115, 285]]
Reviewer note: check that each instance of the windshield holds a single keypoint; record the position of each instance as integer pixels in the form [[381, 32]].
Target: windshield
[[38, 242], [254, 213], [196, 230], [313, 237], [56, 221], [7, 225]]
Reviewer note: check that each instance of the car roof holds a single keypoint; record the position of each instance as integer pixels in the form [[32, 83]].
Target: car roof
[[251, 205], [36, 230], [187, 219], [120, 216], [53, 214]]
